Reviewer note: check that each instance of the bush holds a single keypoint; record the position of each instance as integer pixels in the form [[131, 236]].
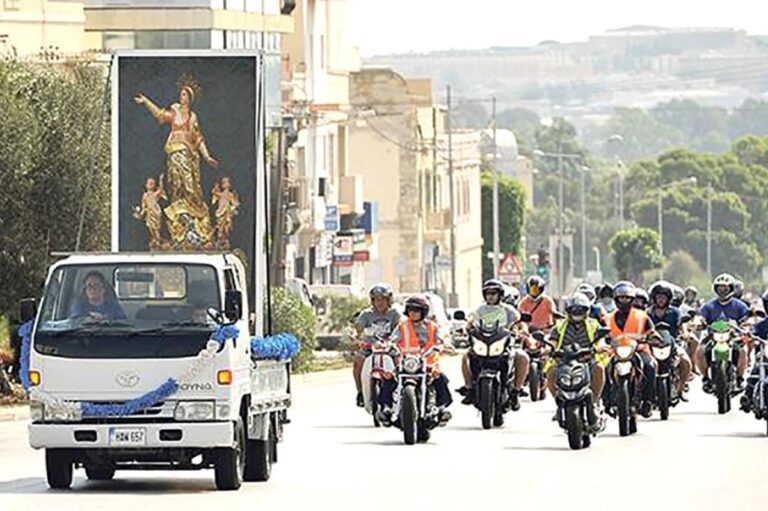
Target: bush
[[290, 315]]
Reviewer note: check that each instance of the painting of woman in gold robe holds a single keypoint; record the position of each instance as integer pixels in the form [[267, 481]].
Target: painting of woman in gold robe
[[188, 216]]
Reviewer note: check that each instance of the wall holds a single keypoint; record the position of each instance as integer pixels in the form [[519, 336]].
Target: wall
[[31, 24]]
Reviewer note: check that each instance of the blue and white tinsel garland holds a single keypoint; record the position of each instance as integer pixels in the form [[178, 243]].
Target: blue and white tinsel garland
[[277, 347]]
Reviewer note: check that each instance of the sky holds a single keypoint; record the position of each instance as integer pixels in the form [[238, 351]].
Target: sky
[[398, 26]]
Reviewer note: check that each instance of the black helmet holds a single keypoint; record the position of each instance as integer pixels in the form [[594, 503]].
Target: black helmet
[[417, 303], [577, 306], [380, 289], [677, 295], [606, 291], [493, 285], [738, 289], [535, 286], [661, 287], [764, 298]]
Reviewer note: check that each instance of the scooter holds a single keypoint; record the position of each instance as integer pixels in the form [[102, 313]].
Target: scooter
[[575, 402], [490, 359], [377, 367]]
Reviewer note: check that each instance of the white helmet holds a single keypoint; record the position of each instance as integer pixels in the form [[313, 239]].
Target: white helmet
[[724, 280]]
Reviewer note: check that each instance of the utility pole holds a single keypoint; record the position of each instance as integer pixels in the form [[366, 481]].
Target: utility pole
[[560, 226], [453, 299], [583, 222], [709, 231], [660, 220], [621, 194], [495, 173]]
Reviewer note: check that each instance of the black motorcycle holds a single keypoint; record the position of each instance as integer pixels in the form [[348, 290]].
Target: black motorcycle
[[533, 344], [490, 361], [758, 397], [575, 410], [664, 350]]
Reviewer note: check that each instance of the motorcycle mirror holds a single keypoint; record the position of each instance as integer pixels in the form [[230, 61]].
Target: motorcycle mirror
[[602, 332], [525, 317]]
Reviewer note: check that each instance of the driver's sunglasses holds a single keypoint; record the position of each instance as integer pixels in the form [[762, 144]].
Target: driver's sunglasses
[[624, 299]]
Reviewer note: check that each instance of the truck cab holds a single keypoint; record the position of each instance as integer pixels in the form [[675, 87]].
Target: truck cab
[[122, 329]]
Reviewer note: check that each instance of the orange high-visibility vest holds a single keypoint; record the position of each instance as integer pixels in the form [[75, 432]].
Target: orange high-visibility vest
[[409, 340], [634, 328]]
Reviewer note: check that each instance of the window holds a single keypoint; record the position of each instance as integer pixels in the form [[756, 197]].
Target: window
[[11, 5]]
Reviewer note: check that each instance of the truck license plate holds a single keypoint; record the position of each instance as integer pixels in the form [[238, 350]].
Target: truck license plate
[[127, 437]]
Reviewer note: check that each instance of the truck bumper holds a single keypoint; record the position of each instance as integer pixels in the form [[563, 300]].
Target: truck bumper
[[193, 434]]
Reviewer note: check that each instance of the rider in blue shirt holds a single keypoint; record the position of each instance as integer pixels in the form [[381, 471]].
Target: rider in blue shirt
[[723, 307], [661, 311]]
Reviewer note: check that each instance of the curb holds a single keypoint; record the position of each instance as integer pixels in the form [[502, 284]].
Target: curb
[[14, 413]]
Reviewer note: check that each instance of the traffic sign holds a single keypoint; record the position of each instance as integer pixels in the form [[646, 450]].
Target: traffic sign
[[511, 268]]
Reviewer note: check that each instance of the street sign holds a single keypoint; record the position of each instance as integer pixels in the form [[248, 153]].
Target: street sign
[[511, 268]]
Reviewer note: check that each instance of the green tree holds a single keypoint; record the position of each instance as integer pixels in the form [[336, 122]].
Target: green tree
[[470, 114], [511, 217], [523, 122], [51, 166], [635, 251]]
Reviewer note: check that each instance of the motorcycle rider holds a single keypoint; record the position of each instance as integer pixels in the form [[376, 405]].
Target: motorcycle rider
[[759, 330], [642, 301], [417, 330], [629, 321], [661, 311], [382, 319], [605, 298], [511, 296], [538, 304], [580, 329], [596, 310], [678, 296], [723, 307], [491, 312], [692, 297]]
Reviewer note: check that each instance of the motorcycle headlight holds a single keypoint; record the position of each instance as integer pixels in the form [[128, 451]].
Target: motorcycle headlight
[[721, 336], [411, 365], [662, 353], [187, 411], [480, 348], [577, 380], [497, 348], [624, 352], [565, 380]]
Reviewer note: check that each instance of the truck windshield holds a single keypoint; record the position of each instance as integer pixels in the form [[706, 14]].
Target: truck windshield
[[127, 311]]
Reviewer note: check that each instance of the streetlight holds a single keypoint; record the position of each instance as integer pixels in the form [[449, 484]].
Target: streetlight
[[616, 139], [597, 258], [560, 213], [660, 216], [584, 170]]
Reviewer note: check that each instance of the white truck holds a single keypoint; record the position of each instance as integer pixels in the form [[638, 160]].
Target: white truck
[[114, 327]]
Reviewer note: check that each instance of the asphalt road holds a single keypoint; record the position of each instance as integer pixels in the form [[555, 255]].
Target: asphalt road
[[334, 458]]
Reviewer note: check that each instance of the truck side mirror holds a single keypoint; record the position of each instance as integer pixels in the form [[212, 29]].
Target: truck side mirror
[[27, 309], [233, 305]]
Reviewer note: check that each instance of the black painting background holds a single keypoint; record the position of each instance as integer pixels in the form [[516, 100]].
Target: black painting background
[[227, 116]]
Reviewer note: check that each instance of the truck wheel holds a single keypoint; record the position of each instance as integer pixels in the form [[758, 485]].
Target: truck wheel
[[100, 473], [230, 461], [259, 455], [58, 468]]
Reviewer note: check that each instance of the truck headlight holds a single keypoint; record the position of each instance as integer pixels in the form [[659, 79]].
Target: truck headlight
[[223, 411], [36, 411], [194, 411], [61, 414]]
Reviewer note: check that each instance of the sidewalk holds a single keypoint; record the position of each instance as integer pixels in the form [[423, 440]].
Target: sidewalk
[[14, 413]]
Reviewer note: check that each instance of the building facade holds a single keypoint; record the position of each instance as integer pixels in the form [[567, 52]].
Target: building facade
[[33, 27]]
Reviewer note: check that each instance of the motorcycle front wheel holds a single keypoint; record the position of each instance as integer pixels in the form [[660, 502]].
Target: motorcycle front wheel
[[409, 415], [487, 403], [662, 398], [574, 427], [375, 402], [534, 382], [721, 390], [623, 405]]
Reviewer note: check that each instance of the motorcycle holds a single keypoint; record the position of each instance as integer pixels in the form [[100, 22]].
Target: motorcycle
[[490, 360], [415, 399], [575, 410], [623, 376], [759, 396], [664, 350], [726, 346], [533, 345], [377, 367]]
